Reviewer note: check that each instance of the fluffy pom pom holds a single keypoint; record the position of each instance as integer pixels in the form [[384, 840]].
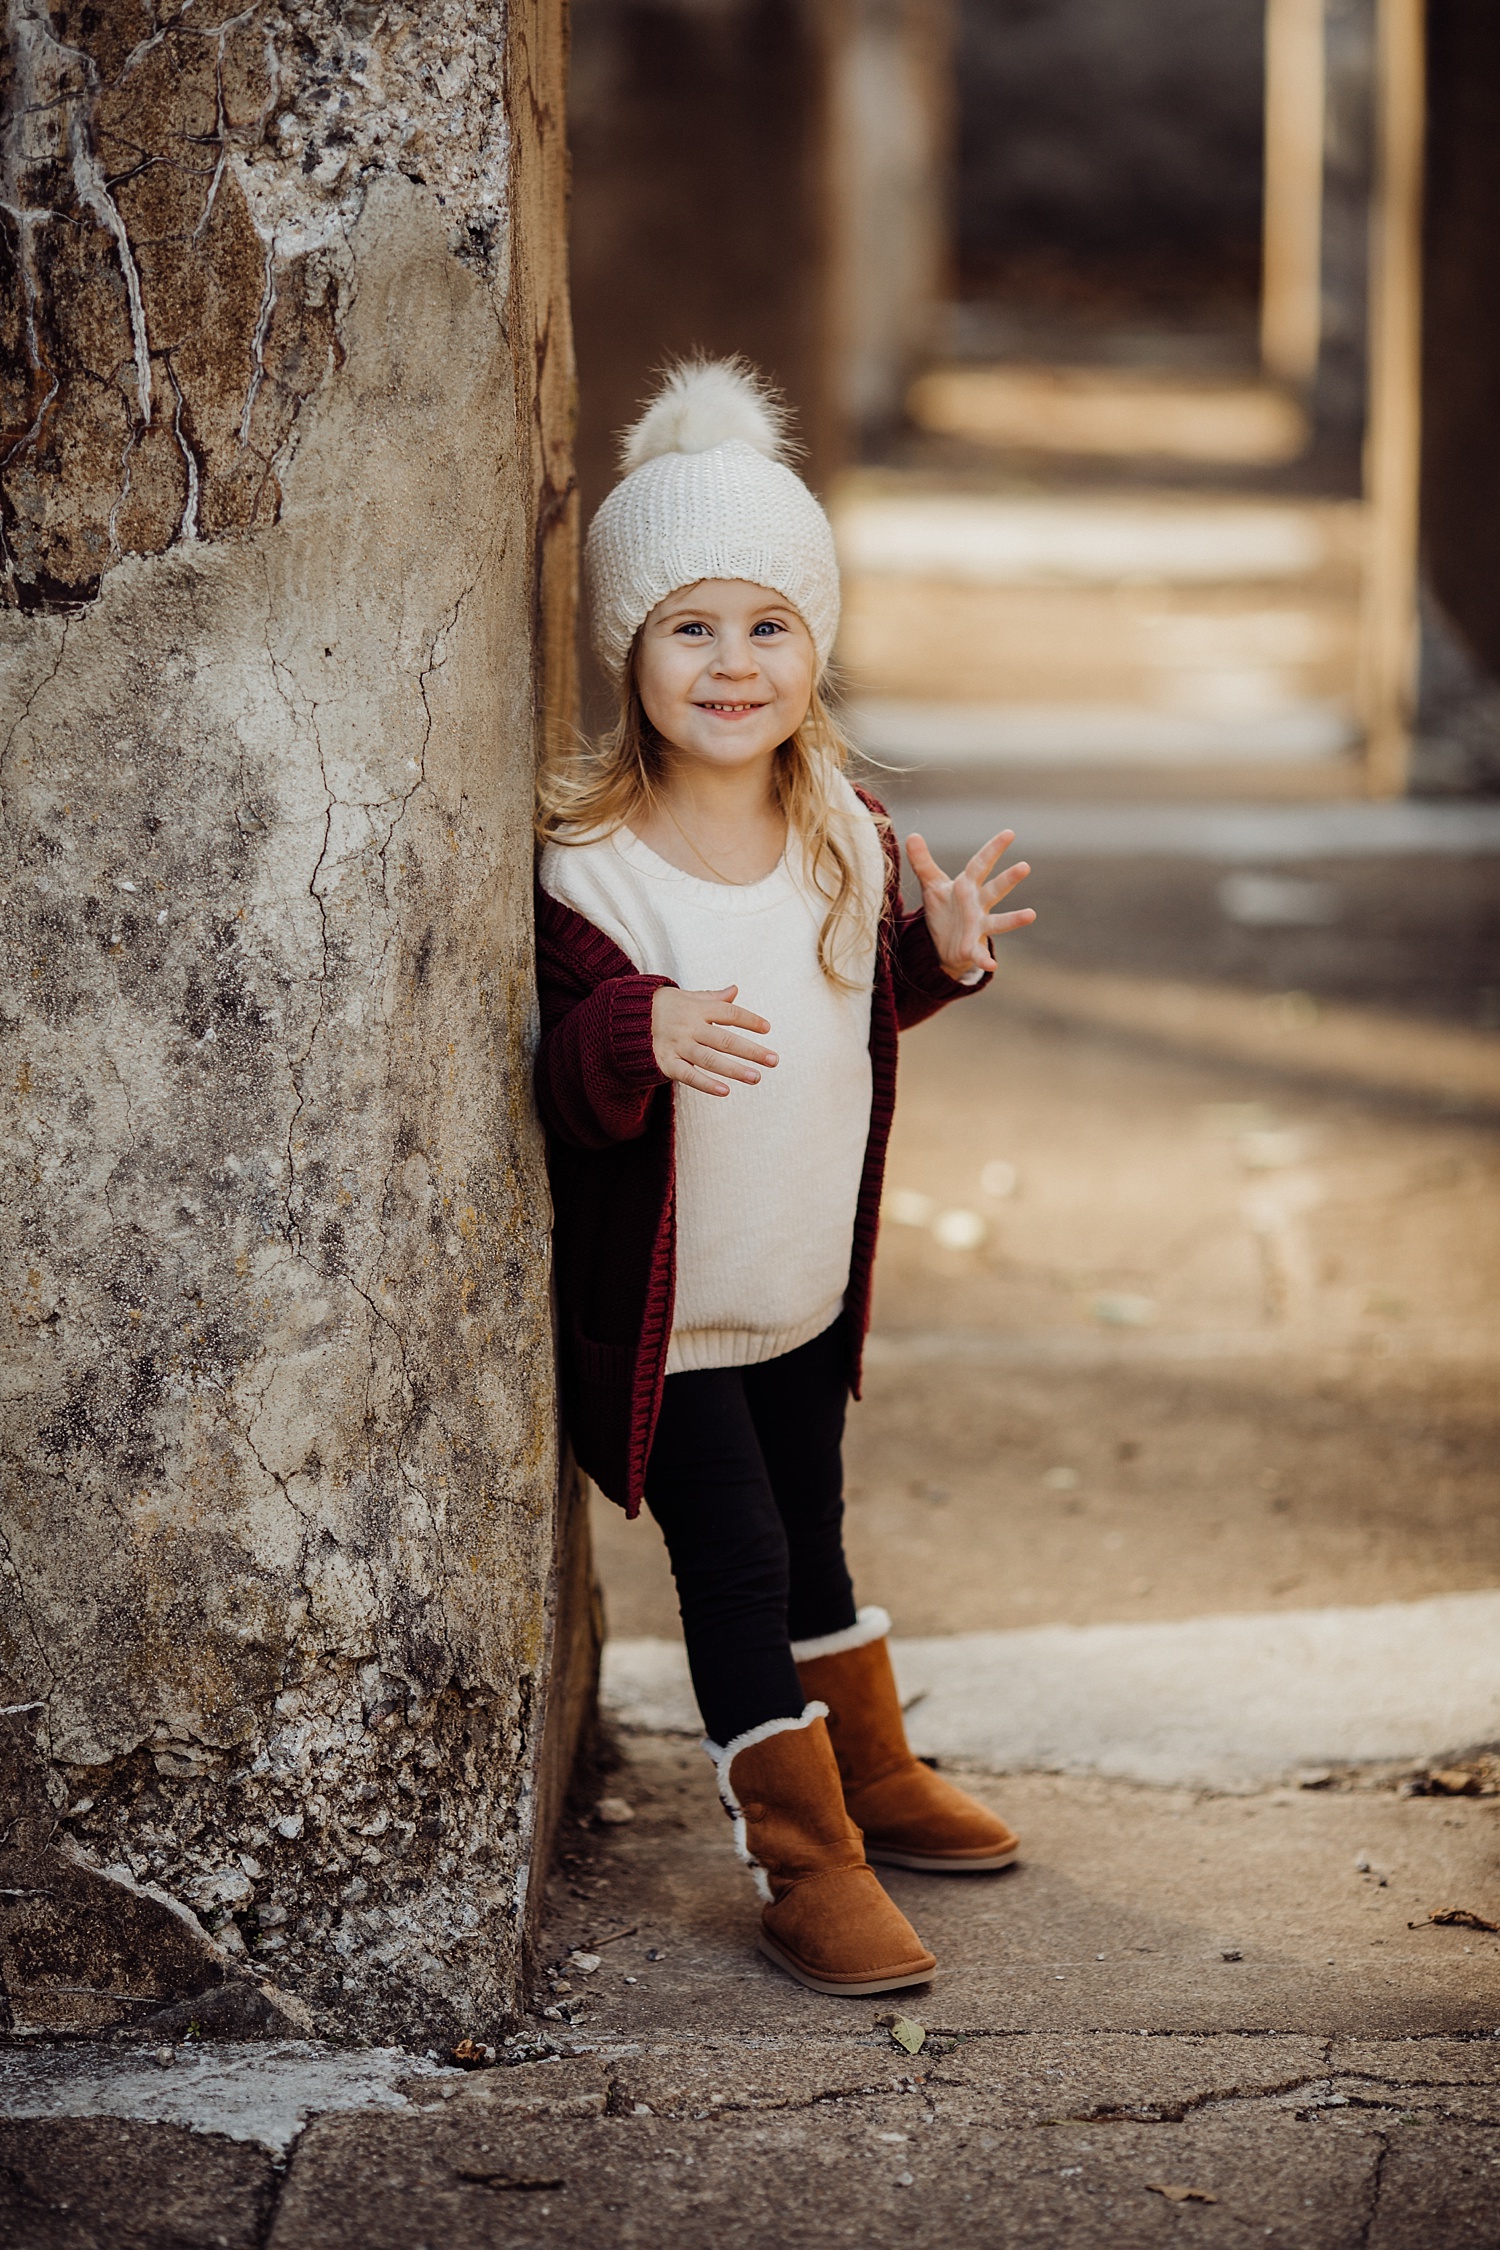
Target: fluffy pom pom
[[703, 403]]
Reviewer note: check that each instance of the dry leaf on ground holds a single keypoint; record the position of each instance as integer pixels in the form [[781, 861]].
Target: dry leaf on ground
[[905, 2030], [1176, 2194], [1454, 1918]]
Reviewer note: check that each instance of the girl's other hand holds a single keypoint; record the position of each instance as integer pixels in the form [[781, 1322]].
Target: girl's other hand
[[960, 910], [694, 1034]]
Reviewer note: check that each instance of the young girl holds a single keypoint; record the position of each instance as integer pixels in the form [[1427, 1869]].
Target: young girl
[[716, 1162]]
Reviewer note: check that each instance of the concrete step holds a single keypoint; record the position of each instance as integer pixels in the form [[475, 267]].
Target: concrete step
[[1205, 1703], [1097, 628]]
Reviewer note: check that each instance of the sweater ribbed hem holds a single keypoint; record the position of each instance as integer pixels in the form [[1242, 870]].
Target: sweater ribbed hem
[[694, 1349]]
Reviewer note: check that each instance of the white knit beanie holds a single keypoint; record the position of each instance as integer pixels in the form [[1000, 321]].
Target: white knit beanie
[[707, 494]]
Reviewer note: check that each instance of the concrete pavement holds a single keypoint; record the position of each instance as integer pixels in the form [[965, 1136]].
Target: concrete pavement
[[1182, 2016]]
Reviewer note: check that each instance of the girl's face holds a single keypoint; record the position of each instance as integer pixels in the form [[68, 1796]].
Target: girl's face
[[725, 671]]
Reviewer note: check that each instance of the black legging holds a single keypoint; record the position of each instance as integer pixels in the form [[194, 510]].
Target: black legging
[[746, 1480]]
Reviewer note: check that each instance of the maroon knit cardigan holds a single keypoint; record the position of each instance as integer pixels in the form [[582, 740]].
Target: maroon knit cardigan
[[608, 1111]]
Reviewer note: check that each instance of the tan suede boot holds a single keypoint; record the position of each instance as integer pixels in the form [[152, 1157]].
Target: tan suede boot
[[911, 1817], [827, 1921]]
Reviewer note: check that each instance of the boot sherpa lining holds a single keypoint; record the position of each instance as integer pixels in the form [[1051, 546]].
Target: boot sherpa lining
[[869, 1625], [724, 1759]]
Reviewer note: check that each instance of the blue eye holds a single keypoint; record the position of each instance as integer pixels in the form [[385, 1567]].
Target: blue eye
[[692, 625], [768, 625]]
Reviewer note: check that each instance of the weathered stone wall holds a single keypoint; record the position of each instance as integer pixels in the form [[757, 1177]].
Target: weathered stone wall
[[288, 544]]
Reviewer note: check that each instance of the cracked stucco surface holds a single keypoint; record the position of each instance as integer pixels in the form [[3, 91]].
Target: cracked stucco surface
[[280, 1474], [180, 188]]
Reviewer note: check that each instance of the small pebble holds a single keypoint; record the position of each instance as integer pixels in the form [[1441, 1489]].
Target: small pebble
[[613, 1812], [164, 2056]]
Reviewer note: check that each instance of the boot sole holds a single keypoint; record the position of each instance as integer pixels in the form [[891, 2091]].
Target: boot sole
[[859, 1989], [930, 1863]]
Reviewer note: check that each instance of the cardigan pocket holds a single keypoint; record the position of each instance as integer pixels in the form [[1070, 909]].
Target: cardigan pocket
[[607, 1365], [598, 1391]]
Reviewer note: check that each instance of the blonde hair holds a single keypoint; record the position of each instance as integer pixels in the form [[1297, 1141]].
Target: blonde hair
[[586, 794]]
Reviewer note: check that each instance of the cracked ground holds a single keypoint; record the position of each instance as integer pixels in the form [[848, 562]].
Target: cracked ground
[[1181, 2019], [1184, 2017]]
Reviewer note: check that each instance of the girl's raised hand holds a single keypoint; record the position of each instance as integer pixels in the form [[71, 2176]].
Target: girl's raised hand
[[694, 1034], [960, 909]]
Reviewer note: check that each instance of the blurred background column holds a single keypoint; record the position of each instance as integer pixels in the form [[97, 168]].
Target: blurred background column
[[1290, 295], [1393, 440], [890, 262], [757, 176]]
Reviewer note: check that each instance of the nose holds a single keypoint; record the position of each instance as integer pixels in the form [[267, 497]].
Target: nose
[[734, 657]]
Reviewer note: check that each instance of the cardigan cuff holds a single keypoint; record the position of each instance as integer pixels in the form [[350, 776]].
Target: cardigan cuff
[[922, 966], [630, 1048]]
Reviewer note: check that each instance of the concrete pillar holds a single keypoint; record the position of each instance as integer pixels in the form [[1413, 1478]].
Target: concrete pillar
[[287, 554], [1394, 433], [890, 99], [1339, 393], [699, 211], [1290, 295], [794, 206]]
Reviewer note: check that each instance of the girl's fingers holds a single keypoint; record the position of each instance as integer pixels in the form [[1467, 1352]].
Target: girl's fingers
[[701, 1056], [686, 1073], [987, 854], [1018, 920], [727, 1044], [720, 1009], [923, 865], [1006, 880]]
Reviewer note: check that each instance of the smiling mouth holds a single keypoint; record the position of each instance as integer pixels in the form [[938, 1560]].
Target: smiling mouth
[[730, 710]]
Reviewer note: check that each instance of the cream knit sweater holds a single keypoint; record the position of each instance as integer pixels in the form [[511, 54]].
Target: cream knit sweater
[[767, 1177]]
